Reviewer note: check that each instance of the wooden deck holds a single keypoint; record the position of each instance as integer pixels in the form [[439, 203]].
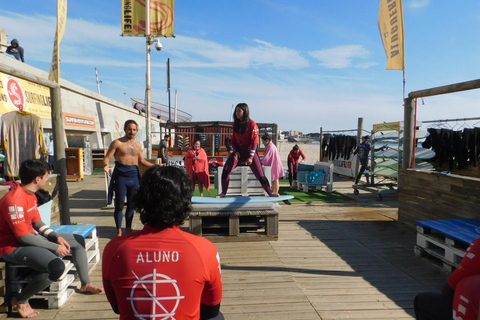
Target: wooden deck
[[331, 261]]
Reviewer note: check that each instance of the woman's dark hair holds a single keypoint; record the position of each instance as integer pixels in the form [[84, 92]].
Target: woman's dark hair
[[164, 197], [32, 168], [295, 147], [127, 123], [266, 137], [240, 125]]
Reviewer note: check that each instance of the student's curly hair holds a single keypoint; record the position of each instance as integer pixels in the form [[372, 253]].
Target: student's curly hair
[[164, 197]]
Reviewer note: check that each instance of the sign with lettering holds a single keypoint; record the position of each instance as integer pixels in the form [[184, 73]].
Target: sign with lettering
[[21, 95]]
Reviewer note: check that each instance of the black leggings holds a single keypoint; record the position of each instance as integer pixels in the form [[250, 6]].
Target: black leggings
[[434, 305]]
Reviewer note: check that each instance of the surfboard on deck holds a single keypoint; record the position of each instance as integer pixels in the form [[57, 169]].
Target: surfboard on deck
[[393, 135], [240, 199], [420, 154]]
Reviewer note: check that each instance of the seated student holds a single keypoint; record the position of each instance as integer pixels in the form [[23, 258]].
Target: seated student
[[162, 270], [459, 297], [19, 244]]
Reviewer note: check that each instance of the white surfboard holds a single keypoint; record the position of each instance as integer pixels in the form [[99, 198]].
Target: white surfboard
[[420, 153], [240, 199]]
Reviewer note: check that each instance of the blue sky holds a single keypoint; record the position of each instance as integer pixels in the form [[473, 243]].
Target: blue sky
[[301, 64]]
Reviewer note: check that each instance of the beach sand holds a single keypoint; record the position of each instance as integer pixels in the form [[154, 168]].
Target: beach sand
[[311, 151]]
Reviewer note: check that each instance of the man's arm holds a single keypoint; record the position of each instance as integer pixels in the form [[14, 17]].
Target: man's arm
[[142, 160], [109, 155]]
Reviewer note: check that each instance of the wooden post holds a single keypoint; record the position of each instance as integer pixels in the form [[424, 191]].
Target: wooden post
[[408, 130], [58, 136], [320, 158], [359, 140], [59, 153]]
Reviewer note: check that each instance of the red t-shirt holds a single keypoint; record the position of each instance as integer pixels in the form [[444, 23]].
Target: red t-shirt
[[465, 281], [470, 265], [165, 273], [293, 156], [18, 213], [249, 137]]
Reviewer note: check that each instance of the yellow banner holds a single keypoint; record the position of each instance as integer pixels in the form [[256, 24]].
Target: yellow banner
[[390, 23], [61, 23], [21, 95], [387, 126], [161, 17]]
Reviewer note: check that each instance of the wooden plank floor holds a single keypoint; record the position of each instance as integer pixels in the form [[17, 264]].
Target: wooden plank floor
[[332, 261]]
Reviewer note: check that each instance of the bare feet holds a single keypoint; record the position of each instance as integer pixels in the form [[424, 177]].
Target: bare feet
[[274, 195], [119, 232], [128, 230], [24, 309], [221, 195], [201, 194], [91, 289]]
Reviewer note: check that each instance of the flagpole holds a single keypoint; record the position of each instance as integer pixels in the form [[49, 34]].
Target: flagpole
[[148, 89]]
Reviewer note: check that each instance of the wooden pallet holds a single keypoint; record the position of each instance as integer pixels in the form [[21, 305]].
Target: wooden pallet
[[242, 225], [435, 242], [57, 294], [243, 182]]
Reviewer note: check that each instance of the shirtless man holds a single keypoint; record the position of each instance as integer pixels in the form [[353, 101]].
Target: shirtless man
[[126, 176]]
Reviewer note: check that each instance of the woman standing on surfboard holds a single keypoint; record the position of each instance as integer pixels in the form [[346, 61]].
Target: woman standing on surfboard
[[244, 143], [196, 162]]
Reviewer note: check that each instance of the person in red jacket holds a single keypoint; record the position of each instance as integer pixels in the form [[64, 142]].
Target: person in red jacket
[[196, 163], [293, 163], [244, 143], [19, 244], [460, 296], [162, 272]]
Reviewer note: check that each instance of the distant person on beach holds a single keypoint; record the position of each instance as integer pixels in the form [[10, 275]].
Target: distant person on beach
[[244, 143], [196, 163], [162, 272], [50, 154], [363, 151], [163, 149], [15, 50], [126, 176], [19, 244], [293, 161], [460, 295], [271, 158]]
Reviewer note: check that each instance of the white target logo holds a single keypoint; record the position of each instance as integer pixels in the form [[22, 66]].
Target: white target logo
[[155, 292]]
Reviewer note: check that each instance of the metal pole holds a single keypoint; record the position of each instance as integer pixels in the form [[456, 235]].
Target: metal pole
[[168, 90], [148, 89], [175, 117]]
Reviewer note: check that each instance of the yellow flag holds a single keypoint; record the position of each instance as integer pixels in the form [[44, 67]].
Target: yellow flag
[[390, 23], [161, 17], [61, 23]]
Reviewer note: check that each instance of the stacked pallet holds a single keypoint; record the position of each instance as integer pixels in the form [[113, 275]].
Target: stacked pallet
[[235, 222], [57, 294], [444, 242], [243, 182]]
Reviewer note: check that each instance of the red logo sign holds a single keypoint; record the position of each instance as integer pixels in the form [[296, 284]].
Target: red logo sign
[[15, 94]]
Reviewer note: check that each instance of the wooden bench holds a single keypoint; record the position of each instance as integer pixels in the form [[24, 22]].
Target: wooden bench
[[444, 242], [245, 222], [57, 294], [243, 182]]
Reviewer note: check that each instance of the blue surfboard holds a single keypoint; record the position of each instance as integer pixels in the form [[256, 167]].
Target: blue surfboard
[[240, 199]]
